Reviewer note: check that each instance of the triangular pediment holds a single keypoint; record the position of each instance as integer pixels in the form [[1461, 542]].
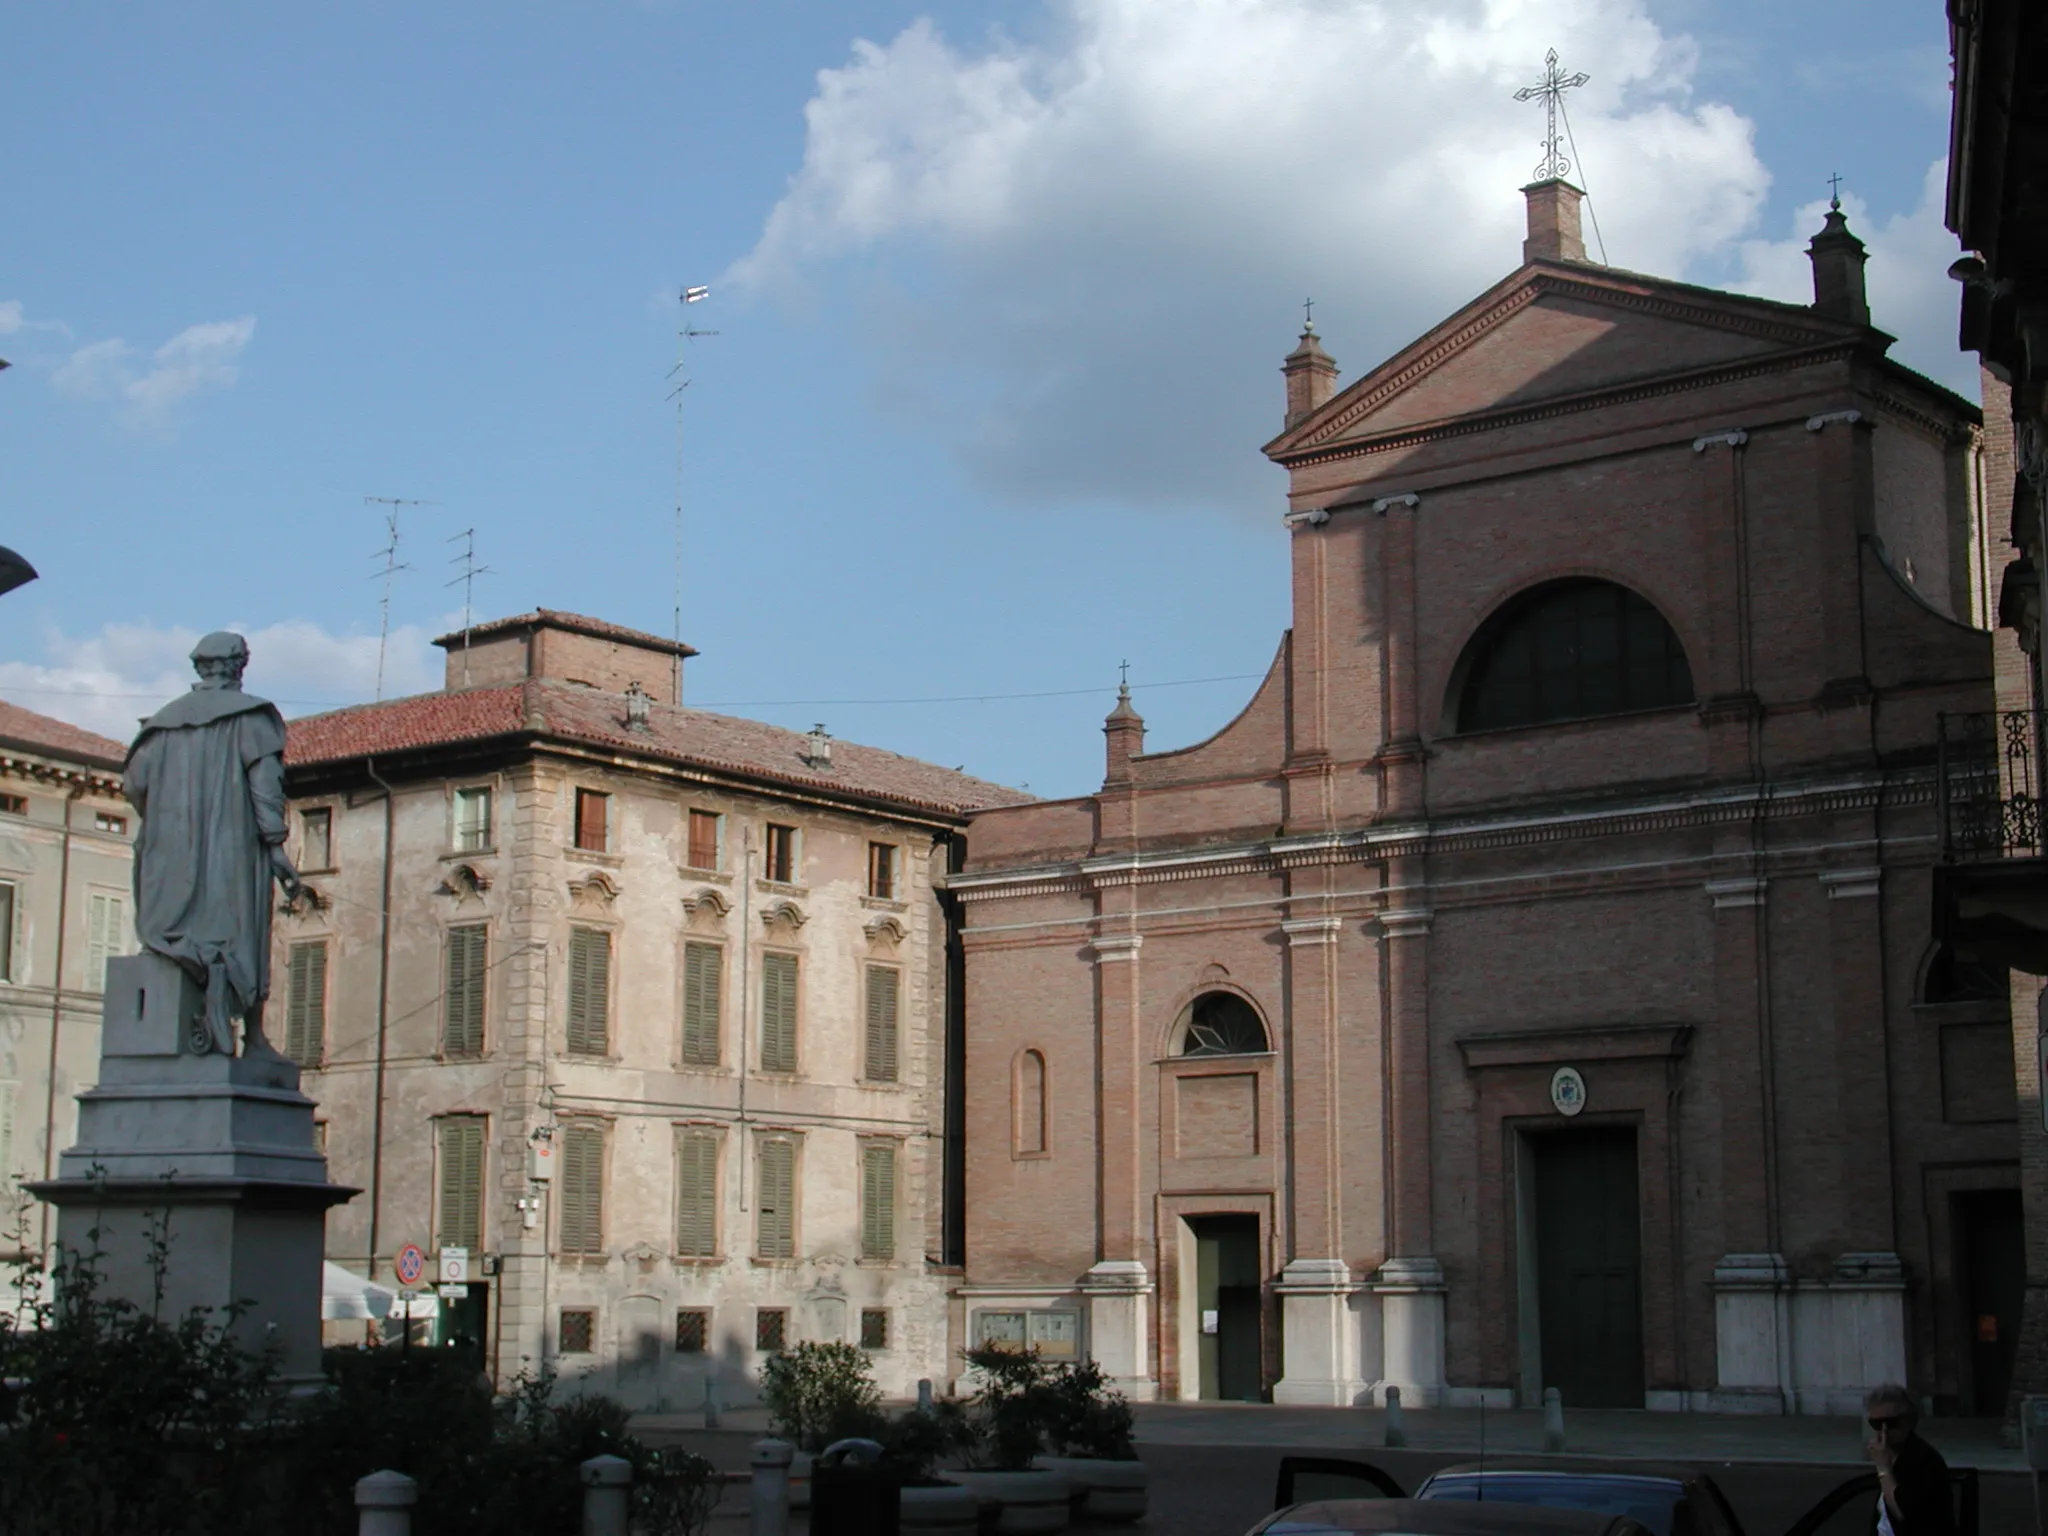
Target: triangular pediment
[[1553, 332]]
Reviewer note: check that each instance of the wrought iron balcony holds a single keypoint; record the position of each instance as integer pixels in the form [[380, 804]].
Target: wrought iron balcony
[[1988, 786]]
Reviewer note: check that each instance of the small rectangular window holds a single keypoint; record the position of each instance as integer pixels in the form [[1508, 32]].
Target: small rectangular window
[[704, 839], [462, 1182], [592, 812], [874, 1328], [6, 936], [14, 805], [590, 991], [106, 918], [693, 1331], [697, 1194], [771, 1329], [882, 871], [703, 968], [781, 853], [316, 838], [884, 987], [580, 1189], [104, 821], [778, 1013], [305, 1006], [775, 1198], [462, 1016], [578, 1333], [473, 819], [878, 1200]]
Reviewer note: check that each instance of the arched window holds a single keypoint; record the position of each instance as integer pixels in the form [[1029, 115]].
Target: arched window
[[1028, 1105], [1222, 1024], [1952, 979], [1569, 650]]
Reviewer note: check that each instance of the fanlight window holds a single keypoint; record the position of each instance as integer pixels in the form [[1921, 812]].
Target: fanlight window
[[1571, 650], [1223, 1024], [1953, 979]]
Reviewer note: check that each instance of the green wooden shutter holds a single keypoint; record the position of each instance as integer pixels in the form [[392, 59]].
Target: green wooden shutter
[[775, 1200], [697, 1194], [778, 1013], [305, 1013], [462, 1019], [7, 933], [462, 1183], [581, 1183], [702, 964], [882, 995], [590, 981], [102, 939], [878, 1200]]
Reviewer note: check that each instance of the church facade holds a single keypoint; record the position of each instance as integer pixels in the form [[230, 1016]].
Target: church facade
[[1533, 986]]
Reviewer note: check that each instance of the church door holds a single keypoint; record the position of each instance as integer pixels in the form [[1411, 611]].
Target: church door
[[1227, 1298], [1589, 1265], [1992, 1235]]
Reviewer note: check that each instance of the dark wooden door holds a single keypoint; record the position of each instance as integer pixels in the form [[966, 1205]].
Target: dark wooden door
[[1992, 1235], [1589, 1265]]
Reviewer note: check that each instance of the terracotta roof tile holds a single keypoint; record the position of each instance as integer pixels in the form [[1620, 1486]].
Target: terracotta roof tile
[[39, 733], [575, 623]]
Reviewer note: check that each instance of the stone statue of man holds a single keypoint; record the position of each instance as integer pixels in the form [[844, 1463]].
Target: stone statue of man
[[206, 774]]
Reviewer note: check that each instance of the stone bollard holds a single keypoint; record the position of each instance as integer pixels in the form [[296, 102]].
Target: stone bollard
[[710, 1403], [1397, 1423], [770, 1505], [607, 1495], [384, 1502], [924, 1394], [1553, 1419]]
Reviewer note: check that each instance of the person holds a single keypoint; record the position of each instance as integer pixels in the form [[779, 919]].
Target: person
[[1913, 1497], [206, 775]]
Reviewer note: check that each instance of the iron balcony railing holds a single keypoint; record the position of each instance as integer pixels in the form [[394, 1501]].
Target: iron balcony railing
[[1988, 786]]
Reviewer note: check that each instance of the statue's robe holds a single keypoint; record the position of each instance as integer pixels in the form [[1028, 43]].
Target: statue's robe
[[207, 776]]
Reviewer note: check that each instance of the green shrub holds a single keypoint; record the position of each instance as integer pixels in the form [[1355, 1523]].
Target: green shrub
[[1026, 1406], [818, 1393]]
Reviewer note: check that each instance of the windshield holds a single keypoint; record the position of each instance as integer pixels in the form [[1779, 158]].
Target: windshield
[[1648, 1499]]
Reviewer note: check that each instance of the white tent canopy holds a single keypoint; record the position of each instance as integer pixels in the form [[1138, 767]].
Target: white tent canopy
[[345, 1294]]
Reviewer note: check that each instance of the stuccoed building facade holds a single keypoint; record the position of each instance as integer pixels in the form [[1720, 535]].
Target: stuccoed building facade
[[1533, 986], [642, 1009]]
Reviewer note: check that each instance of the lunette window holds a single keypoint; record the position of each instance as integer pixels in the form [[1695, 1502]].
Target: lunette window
[[1571, 650]]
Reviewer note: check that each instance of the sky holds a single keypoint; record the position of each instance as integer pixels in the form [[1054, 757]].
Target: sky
[[999, 293]]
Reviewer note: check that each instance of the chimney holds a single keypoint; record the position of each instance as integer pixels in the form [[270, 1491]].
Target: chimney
[[817, 751], [1311, 375], [1554, 233], [1837, 258], [1125, 734]]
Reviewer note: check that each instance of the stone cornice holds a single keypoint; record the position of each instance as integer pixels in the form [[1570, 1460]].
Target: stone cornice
[[41, 771]]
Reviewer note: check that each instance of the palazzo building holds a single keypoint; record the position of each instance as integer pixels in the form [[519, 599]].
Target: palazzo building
[[634, 1019], [1534, 985]]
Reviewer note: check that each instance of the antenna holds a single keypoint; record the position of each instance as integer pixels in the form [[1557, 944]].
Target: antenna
[[467, 578], [693, 295], [392, 566]]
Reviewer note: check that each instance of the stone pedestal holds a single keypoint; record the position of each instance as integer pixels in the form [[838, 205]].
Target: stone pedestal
[[1752, 1334], [1806, 1346], [1411, 1292], [1119, 1294], [220, 1146], [1319, 1360]]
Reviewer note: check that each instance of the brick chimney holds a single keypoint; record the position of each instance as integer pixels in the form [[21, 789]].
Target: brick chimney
[[1124, 734], [1311, 375], [1554, 233], [1837, 258]]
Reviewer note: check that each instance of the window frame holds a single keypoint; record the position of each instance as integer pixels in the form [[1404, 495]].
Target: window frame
[[111, 822], [689, 1044], [713, 1196], [691, 817], [480, 933], [568, 1133], [307, 815], [874, 1314], [589, 1344], [703, 1318], [577, 1039], [788, 837], [10, 906], [313, 1030], [788, 1237], [785, 1064], [579, 821], [101, 949], [13, 804], [761, 1317], [444, 1236], [886, 861], [881, 1039], [470, 794], [881, 1199]]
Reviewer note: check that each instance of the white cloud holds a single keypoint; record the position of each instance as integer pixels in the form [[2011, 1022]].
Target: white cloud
[[108, 681], [200, 359], [1083, 259]]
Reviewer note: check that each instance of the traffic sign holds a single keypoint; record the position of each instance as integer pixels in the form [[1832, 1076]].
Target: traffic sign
[[410, 1264], [454, 1266]]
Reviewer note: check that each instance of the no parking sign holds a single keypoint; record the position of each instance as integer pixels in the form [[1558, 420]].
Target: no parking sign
[[410, 1264]]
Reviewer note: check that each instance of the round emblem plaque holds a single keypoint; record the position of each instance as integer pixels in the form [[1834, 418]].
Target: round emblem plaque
[[1567, 1091]]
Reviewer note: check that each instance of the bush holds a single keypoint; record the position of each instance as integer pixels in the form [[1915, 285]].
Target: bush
[[917, 1440], [818, 1393], [1027, 1406]]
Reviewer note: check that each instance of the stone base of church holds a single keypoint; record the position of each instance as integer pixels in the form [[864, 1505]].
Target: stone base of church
[[1319, 1332], [1804, 1346], [1411, 1293], [1118, 1293]]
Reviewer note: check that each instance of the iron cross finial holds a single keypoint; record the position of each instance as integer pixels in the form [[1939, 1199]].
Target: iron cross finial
[[1835, 188], [1555, 82], [1308, 314], [1123, 674]]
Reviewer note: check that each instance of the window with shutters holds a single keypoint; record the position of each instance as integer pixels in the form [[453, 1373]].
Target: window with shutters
[[462, 998], [775, 1198], [316, 838], [703, 967], [472, 808], [781, 865], [580, 1189], [878, 1200], [778, 1013], [462, 1182], [577, 1334], [7, 931], [882, 871], [106, 921], [874, 1328], [771, 1329], [697, 1193], [590, 991], [14, 805], [593, 809], [693, 1330], [707, 830], [884, 987], [305, 1004]]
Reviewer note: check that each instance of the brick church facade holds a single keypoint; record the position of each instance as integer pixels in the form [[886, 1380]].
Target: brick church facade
[[1533, 986]]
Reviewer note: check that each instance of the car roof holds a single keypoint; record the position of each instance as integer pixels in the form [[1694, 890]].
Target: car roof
[[1441, 1517], [1674, 1471]]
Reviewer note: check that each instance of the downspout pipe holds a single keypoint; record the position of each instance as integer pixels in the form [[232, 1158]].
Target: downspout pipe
[[57, 1013], [383, 1019]]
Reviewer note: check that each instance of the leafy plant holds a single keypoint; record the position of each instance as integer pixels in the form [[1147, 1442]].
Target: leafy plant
[[918, 1439], [1086, 1417], [1027, 1406], [818, 1393]]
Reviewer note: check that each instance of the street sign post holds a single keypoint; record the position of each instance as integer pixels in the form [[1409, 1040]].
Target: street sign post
[[410, 1264]]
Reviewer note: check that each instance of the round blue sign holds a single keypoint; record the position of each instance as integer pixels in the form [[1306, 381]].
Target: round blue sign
[[410, 1264]]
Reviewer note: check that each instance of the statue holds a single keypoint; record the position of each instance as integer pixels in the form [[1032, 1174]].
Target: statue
[[206, 774]]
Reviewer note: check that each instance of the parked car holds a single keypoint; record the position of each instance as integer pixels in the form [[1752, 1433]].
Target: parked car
[[1668, 1499], [1441, 1517]]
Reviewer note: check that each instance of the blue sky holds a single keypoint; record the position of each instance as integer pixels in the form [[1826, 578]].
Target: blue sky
[[1000, 292]]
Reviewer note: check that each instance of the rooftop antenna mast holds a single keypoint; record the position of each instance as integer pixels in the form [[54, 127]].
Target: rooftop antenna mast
[[392, 566], [692, 295], [466, 578]]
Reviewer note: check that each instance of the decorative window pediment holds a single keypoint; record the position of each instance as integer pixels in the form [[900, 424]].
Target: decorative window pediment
[[886, 934], [783, 914], [310, 901], [707, 909], [594, 891], [464, 882]]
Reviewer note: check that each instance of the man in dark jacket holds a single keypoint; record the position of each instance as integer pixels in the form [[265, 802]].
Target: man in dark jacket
[[1913, 1497]]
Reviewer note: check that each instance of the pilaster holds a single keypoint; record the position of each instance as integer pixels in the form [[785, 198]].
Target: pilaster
[[1119, 1200], [1119, 1297], [1320, 1364]]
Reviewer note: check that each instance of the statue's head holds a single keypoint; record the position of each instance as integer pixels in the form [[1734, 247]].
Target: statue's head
[[220, 658]]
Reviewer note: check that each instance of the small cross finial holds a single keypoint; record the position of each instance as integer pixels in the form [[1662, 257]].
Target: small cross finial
[[1308, 314], [1551, 88], [1835, 188], [1123, 674]]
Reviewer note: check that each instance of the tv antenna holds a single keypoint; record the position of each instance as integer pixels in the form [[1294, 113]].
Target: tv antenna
[[392, 566], [466, 578], [689, 296]]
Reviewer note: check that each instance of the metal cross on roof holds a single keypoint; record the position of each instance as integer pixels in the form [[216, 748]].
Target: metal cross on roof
[[1835, 188], [1308, 314], [1553, 166]]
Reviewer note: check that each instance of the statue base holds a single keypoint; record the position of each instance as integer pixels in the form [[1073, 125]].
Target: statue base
[[216, 1149]]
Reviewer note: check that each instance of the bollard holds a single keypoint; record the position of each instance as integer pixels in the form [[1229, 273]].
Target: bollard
[[710, 1403], [1397, 1424], [607, 1495], [770, 1504], [1553, 1419], [384, 1501], [924, 1394]]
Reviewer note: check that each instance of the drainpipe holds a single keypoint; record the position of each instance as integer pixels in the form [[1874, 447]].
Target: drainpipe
[[383, 1016], [746, 998], [56, 1015]]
